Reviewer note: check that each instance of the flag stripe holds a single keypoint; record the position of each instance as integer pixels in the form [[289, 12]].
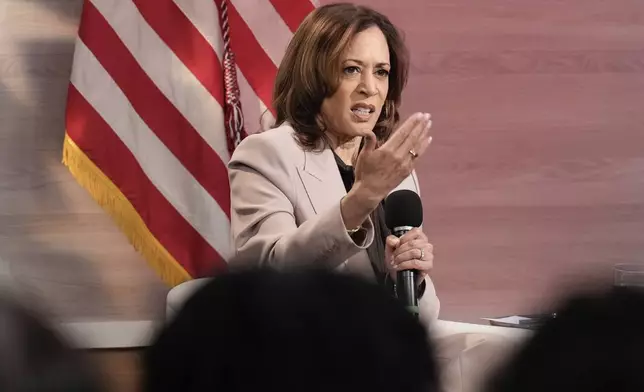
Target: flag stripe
[[175, 29], [163, 169], [168, 72], [268, 28], [183, 242], [204, 15], [250, 104], [153, 106], [258, 68], [293, 12]]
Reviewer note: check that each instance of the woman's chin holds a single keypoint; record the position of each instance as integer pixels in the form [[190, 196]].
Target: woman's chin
[[362, 129], [353, 130]]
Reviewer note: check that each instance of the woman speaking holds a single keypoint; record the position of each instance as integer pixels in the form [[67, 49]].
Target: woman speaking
[[309, 192]]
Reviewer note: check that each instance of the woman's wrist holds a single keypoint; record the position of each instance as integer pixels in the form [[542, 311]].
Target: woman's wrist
[[355, 208]]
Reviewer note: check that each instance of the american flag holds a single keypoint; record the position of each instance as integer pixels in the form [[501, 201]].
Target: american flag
[[146, 130]]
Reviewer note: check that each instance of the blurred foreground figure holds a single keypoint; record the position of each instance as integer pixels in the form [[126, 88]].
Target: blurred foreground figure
[[296, 331], [595, 344], [34, 358]]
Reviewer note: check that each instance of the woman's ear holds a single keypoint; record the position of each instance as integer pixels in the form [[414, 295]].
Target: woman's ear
[[319, 121]]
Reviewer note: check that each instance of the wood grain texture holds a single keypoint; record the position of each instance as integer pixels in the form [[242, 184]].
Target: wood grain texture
[[120, 370], [56, 244], [534, 183]]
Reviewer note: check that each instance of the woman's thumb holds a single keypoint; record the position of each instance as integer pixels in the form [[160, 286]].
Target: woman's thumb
[[392, 241], [370, 142]]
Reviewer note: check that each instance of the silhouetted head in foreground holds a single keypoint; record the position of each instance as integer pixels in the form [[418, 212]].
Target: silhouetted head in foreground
[[34, 358], [596, 344], [300, 331]]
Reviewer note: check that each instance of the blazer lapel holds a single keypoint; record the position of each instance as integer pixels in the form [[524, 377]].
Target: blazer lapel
[[323, 184], [321, 179]]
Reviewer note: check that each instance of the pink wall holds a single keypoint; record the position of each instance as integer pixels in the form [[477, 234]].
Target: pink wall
[[535, 179]]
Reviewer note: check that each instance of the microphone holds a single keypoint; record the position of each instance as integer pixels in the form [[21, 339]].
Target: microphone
[[403, 212]]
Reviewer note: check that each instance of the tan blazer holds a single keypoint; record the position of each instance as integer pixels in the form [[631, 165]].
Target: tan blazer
[[286, 210]]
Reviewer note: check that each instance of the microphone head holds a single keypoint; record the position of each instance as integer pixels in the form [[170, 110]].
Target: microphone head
[[403, 208]]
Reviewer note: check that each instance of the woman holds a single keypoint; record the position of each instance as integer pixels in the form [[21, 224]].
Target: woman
[[309, 192]]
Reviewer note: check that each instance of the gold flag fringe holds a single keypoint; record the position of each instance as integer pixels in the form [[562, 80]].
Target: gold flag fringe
[[123, 213]]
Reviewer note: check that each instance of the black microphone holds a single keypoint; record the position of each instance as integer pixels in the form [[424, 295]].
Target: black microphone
[[403, 212]]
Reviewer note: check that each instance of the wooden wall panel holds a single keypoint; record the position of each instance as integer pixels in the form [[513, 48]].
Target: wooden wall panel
[[535, 181]]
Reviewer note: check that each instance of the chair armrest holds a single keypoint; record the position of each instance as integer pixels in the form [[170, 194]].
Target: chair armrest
[[442, 328]]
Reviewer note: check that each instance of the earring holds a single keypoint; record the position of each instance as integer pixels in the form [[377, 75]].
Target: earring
[[319, 121], [387, 109]]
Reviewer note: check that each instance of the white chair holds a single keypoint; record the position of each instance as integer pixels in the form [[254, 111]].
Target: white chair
[[179, 294]]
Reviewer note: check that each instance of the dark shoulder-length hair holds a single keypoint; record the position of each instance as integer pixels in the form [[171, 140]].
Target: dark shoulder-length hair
[[311, 69]]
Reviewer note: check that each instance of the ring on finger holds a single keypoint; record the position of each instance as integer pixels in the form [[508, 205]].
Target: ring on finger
[[422, 254]]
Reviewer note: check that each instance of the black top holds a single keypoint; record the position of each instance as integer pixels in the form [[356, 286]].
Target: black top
[[376, 250]]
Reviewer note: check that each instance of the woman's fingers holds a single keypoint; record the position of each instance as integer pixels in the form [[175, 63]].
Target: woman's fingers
[[413, 234], [424, 140], [423, 266], [392, 241], [407, 255], [416, 133], [414, 245], [407, 130]]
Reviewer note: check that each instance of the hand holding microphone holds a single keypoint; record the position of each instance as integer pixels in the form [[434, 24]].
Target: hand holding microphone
[[412, 251], [409, 255]]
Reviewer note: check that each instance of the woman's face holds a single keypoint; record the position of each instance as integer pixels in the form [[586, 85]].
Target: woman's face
[[355, 107]]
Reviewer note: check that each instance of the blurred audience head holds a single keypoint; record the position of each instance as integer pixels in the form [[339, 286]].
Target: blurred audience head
[[595, 344], [34, 358], [296, 331]]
